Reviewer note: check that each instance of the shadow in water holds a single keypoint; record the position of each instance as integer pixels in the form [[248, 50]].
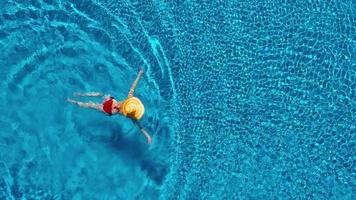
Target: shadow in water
[[149, 160], [157, 172], [131, 147]]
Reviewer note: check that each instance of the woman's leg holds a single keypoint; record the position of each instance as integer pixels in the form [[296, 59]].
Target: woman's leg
[[86, 104], [88, 94]]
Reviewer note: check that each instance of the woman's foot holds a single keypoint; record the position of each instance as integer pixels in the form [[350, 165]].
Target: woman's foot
[[71, 101]]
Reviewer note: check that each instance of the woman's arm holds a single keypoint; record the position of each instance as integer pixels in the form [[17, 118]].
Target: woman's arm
[[148, 137], [132, 89]]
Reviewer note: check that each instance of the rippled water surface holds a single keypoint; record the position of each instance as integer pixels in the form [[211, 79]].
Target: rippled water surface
[[244, 99]]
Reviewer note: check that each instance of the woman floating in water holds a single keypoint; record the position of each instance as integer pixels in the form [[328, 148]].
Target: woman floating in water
[[130, 107]]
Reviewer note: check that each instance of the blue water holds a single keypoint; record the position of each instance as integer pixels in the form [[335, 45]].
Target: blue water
[[244, 99]]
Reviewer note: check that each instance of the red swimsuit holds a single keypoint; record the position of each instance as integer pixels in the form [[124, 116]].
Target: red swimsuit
[[107, 105]]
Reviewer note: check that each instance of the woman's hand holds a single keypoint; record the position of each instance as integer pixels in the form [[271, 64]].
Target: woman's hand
[[148, 137]]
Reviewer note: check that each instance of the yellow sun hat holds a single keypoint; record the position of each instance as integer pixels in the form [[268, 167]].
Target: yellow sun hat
[[132, 107]]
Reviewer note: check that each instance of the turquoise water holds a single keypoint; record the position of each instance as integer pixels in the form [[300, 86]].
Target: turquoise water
[[244, 99]]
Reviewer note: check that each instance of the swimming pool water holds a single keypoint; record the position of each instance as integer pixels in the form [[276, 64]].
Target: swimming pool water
[[244, 99]]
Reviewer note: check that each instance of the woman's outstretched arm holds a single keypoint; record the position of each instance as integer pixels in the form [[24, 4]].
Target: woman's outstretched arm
[[148, 137], [132, 89]]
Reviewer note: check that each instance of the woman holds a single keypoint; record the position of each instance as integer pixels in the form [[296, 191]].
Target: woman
[[130, 107]]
